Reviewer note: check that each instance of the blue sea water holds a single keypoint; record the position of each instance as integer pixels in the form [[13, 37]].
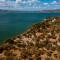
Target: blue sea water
[[12, 24]]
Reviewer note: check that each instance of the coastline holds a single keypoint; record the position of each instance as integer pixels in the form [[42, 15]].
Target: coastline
[[41, 39]]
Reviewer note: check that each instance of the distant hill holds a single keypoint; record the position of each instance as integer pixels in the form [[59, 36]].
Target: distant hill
[[49, 11], [41, 11]]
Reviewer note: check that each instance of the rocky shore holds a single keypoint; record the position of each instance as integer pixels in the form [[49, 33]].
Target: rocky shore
[[40, 42]]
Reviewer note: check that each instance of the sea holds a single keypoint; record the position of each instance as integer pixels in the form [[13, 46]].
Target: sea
[[13, 24]]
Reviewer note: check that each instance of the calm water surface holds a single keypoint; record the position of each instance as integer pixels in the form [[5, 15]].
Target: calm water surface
[[12, 24]]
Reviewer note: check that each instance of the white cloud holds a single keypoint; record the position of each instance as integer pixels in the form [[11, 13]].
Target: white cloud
[[18, 1], [45, 3], [30, 4], [2, 0], [54, 2], [34, 0]]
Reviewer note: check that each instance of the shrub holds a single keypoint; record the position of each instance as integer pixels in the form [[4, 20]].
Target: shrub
[[9, 41], [1, 49]]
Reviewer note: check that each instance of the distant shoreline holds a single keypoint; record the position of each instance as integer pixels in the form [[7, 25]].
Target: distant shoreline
[[31, 11]]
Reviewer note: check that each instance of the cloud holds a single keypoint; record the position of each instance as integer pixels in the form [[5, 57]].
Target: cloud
[[2, 0], [30, 4], [21, 1], [54, 2], [45, 3], [18, 1], [33, 0]]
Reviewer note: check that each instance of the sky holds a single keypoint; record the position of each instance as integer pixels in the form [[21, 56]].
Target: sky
[[30, 4]]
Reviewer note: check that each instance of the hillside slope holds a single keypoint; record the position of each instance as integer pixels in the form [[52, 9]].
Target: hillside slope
[[40, 42]]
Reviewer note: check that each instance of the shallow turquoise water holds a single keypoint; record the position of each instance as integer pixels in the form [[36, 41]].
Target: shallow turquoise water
[[11, 24]]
